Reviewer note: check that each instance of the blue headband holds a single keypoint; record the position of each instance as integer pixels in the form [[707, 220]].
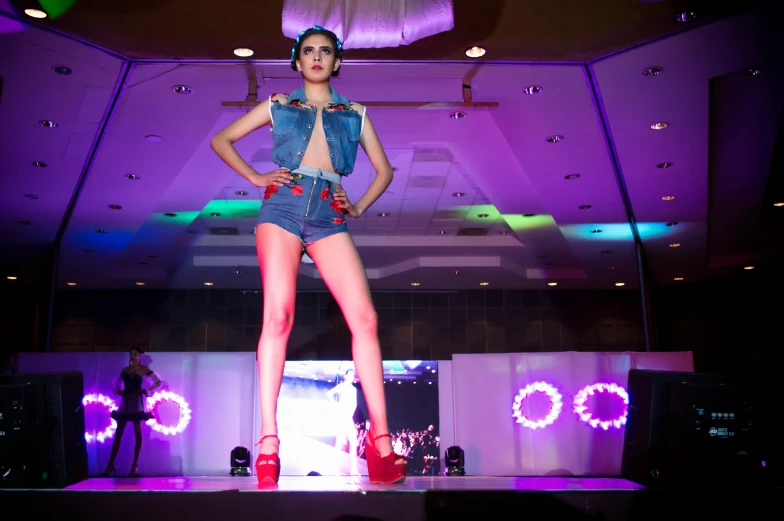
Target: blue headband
[[299, 36]]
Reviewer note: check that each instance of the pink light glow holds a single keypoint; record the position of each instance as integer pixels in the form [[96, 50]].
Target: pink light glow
[[185, 412], [581, 410], [107, 402], [555, 402]]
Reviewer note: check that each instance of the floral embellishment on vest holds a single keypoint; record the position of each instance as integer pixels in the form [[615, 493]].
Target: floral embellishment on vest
[[340, 107], [300, 104]]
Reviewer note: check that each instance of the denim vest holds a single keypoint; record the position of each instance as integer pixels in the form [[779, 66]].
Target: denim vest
[[292, 126]]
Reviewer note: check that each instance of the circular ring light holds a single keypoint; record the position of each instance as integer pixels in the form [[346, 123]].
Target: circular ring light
[[107, 402], [185, 412], [556, 404], [581, 410]]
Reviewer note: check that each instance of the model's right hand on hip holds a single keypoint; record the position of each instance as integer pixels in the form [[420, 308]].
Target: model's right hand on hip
[[278, 177]]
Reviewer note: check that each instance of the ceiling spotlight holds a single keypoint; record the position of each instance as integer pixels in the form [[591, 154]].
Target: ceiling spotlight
[[674, 223], [458, 194], [529, 215], [484, 283], [48, 123], [115, 207], [753, 72], [572, 176], [504, 232], [748, 267], [666, 164], [133, 177], [683, 18], [483, 216], [456, 272], [554, 139], [39, 164], [678, 278], [215, 214], [441, 232], [674, 245], [11, 277], [475, 52], [70, 283], [668, 198], [612, 268], [660, 125], [243, 52], [208, 284], [540, 257], [62, 70], [778, 204], [100, 230], [652, 71], [170, 214], [620, 284], [182, 89], [26, 223], [152, 138], [457, 115], [31, 196], [140, 283], [552, 283], [532, 89], [585, 206], [35, 13], [241, 192], [415, 283], [383, 214], [596, 230]]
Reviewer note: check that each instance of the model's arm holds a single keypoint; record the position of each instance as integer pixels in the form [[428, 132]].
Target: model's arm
[[117, 384], [375, 152], [156, 382], [223, 145]]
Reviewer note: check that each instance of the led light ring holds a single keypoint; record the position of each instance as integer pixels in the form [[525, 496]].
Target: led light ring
[[108, 432], [185, 412], [555, 401], [581, 410]]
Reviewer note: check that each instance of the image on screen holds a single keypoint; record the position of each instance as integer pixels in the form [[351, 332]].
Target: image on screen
[[323, 417]]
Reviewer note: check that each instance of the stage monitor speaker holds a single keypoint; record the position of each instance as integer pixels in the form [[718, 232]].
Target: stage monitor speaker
[[42, 443], [686, 429]]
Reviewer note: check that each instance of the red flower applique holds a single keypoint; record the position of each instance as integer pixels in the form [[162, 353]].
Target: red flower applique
[[325, 194], [296, 190], [341, 107], [338, 207], [338, 220], [272, 189]]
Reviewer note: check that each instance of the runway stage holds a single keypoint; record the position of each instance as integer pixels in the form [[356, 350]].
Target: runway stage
[[355, 499]]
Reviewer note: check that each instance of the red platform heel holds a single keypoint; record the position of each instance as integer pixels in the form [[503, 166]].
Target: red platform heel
[[268, 465], [386, 469]]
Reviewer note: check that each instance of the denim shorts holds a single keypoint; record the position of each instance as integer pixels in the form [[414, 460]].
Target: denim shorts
[[305, 206]]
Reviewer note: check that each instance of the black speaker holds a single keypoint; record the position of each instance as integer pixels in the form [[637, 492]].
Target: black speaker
[[42, 443], [687, 429]]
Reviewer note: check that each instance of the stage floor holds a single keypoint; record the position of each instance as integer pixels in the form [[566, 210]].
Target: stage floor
[[356, 499]]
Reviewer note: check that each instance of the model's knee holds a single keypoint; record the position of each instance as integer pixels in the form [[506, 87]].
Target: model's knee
[[278, 322], [364, 321]]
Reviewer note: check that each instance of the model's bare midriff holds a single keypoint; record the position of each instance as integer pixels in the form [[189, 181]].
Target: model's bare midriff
[[317, 151]]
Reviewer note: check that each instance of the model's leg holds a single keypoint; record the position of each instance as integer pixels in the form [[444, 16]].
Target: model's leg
[[338, 261], [116, 444], [279, 255], [137, 449]]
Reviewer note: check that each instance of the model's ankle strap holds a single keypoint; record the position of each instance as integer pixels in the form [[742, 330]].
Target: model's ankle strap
[[268, 436], [378, 437]]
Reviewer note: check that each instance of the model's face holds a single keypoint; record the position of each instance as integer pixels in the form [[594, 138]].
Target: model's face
[[134, 355], [317, 58]]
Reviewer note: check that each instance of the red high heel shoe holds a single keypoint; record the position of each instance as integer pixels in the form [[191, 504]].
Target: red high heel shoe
[[268, 465], [386, 469]]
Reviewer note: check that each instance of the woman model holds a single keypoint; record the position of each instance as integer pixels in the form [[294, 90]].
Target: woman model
[[344, 395], [132, 408], [315, 133]]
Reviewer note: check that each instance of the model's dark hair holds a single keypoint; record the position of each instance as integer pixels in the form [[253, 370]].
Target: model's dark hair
[[136, 348], [337, 45]]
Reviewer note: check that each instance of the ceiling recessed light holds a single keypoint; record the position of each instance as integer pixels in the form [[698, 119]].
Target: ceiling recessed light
[[674, 223], [529, 215], [552, 283], [572, 176], [62, 70], [241, 193], [456, 272], [100, 230], [70, 283], [675, 245], [666, 164], [140, 283], [441, 232], [483, 216], [458, 194], [778, 204], [243, 52], [654, 70], [208, 284], [554, 139], [748, 267], [215, 214], [532, 89], [115, 207], [668, 198], [133, 177], [31, 196], [182, 89], [660, 125], [35, 13], [540, 257], [152, 138], [585, 206], [596, 230], [605, 252], [415, 283], [682, 18], [11, 277], [475, 52], [170, 214], [612, 268], [504, 232], [484, 283], [678, 278], [620, 283], [754, 71], [383, 214], [39, 164], [48, 123], [457, 115], [26, 223]]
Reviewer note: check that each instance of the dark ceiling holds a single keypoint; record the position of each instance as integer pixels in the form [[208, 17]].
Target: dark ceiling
[[513, 30]]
